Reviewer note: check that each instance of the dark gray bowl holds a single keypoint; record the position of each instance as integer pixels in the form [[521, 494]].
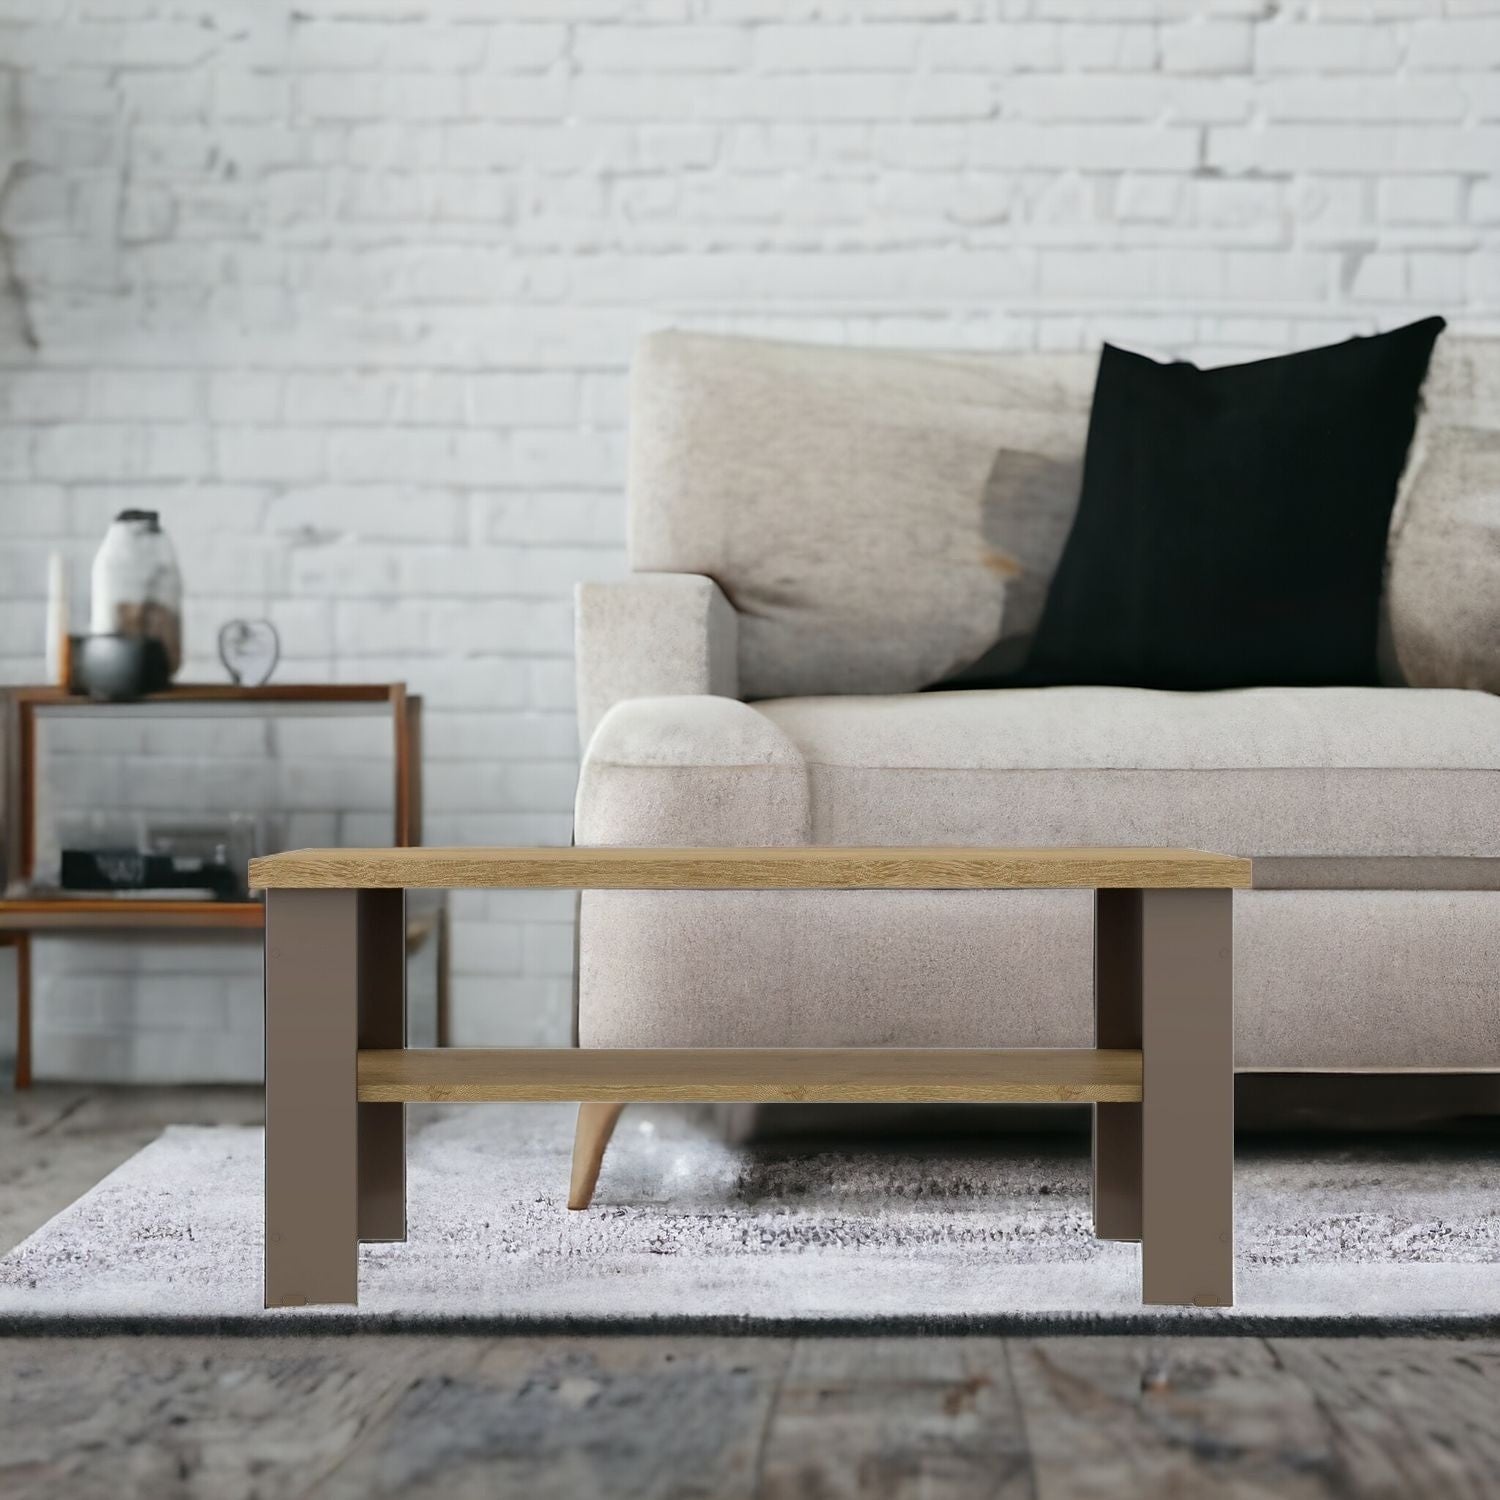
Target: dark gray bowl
[[117, 668]]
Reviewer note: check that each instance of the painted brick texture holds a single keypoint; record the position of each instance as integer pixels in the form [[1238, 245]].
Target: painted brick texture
[[349, 289]]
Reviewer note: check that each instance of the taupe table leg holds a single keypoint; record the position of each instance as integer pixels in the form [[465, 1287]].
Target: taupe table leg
[[1117, 1023], [312, 1016], [1187, 1108], [382, 1023]]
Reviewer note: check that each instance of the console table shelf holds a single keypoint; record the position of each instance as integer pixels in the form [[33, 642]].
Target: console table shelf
[[65, 914], [28, 909]]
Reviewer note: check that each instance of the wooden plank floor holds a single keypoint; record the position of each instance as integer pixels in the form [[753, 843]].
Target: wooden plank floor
[[776, 1419]]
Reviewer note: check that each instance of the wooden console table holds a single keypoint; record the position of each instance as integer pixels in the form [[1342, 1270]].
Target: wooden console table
[[338, 1073], [24, 911]]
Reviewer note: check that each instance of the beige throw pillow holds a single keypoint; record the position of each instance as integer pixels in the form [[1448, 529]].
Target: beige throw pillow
[[1443, 592], [877, 518], [1442, 600]]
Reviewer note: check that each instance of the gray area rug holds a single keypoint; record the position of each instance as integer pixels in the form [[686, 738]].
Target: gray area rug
[[690, 1234]]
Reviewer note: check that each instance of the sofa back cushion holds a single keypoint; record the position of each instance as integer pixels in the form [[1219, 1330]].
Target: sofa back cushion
[[1443, 579], [877, 518], [882, 519]]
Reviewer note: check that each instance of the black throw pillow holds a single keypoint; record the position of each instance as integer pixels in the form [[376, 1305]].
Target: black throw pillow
[[1232, 527]]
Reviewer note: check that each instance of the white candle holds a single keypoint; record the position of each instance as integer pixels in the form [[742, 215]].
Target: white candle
[[57, 620]]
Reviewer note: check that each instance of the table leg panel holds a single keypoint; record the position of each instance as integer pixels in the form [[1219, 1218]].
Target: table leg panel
[[382, 1023], [1117, 1023], [312, 1012], [1187, 1107]]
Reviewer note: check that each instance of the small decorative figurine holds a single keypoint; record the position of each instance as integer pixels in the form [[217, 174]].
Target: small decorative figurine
[[249, 650]]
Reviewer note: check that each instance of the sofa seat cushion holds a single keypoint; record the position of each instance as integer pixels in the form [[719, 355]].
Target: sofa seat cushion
[[1280, 772], [691, 770]]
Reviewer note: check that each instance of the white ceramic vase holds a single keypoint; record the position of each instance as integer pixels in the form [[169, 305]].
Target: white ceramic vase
[[136, 588]]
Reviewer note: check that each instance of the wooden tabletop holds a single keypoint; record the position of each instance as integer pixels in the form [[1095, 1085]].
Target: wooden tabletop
[[806, 867]]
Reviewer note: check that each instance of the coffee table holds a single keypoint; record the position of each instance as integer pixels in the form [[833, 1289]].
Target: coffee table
[[338, 1073]]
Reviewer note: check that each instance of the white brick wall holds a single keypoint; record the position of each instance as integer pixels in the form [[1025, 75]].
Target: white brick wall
[[349, 290]]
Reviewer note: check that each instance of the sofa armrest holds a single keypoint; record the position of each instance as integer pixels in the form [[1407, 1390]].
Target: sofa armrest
[[652, 635]]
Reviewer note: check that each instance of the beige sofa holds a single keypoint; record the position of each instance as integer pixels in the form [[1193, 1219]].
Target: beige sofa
[[815, 534]]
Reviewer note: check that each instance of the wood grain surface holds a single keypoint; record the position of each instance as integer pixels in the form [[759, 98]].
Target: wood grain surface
[[33, 914], [809, 867], [759, 1075], [457, 1417]]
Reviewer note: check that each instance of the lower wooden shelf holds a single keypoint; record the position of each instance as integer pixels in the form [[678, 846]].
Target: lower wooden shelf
[[61, 913], [752, 1075]]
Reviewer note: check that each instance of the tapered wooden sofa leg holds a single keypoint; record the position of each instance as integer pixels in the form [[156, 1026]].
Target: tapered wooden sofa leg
[[596, 1123]]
